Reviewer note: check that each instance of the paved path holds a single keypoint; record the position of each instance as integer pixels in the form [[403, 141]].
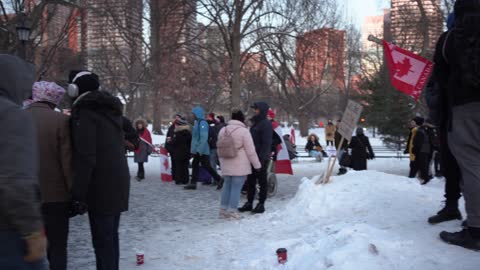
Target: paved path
[[156, 206]]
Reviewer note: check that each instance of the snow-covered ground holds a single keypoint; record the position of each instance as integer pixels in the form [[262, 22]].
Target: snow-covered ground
[[363, 220]]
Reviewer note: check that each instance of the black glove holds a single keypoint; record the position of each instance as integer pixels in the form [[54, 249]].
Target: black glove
[[77, 208]]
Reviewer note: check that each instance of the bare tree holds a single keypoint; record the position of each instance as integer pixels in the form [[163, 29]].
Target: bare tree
[[306, 60], [244, 25], [51, 23]]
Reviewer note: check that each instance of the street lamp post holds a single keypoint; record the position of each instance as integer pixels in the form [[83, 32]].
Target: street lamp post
[[23, 35]]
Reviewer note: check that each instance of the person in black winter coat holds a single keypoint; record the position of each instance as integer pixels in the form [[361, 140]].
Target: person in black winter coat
[[361, 151], [101, 176], [168, 144], [262, 134], [181, 143], [423, 150], [457, 66], [438, 112]]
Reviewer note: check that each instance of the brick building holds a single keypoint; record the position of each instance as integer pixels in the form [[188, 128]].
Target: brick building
[[416, 26], [320, 58]]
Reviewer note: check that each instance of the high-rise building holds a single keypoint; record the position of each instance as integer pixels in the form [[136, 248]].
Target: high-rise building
[[372, 25], [372, 53], [174, 29], [113, 32], [320, 58], [416, 25]]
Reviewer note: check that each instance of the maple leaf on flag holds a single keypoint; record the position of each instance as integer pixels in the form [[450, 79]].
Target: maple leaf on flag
[[165, 164], [409, 75], [403, 68]]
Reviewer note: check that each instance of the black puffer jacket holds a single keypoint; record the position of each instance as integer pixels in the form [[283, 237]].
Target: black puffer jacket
[[102, 178], [262, 132], [181, 142]]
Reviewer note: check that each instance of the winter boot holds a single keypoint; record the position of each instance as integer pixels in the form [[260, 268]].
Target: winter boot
[[342, 171], [246, 207], [220, 184], [467, 238], [260, 209], [190, 187], [448, 213]]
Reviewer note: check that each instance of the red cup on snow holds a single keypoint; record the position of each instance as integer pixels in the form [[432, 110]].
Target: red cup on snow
[[140, 258], [282, 255]]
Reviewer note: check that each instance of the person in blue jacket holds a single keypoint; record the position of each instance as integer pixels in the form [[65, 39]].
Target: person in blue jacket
[[200, 149]]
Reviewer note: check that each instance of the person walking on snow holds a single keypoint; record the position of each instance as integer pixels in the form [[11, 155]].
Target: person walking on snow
[[200, 149], [55, 168], [330, 130], [181, 145], [457, 71], [361, 150], [423, 151], [145, 148], [101, 182], [235, 169], [23, 243], [262, 134]]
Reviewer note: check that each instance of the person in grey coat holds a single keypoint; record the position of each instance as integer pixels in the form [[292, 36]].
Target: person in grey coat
[[23, 243]]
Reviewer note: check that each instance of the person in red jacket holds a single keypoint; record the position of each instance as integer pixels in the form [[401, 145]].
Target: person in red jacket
[[145, 149]]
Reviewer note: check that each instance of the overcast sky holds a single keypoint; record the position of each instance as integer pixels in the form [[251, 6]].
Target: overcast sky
[[359, 9]]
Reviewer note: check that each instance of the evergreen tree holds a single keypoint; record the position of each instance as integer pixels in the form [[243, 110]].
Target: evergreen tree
[[388, 109]]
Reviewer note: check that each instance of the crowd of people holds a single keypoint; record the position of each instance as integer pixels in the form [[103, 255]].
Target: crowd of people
[[54, 166]]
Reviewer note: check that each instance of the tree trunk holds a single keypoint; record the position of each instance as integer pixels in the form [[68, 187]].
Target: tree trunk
[[303, 124], [157, 116], [236, 56]]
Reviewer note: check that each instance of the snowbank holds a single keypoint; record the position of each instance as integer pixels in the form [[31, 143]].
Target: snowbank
[[364, 220]]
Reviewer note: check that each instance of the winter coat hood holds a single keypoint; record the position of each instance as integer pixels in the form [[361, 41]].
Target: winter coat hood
[[263, 107], [17, 80], [199, 113]]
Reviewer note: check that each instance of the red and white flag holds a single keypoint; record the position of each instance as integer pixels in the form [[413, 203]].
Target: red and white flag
[[409, 73], [283, 165], [165, 170]]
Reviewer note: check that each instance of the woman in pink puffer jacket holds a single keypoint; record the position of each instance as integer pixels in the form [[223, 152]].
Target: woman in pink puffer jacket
[[235, 170]]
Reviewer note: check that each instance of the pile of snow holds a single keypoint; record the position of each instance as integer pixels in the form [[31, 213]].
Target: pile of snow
[[364, 220]]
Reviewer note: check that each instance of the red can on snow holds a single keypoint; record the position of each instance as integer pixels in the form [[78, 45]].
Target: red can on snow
[[140, 258], [282, 255]]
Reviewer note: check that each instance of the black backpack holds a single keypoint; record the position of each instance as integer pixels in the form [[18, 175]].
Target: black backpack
[[466, 38]]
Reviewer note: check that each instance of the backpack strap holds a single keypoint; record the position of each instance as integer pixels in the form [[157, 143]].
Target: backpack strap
[[444, 47]]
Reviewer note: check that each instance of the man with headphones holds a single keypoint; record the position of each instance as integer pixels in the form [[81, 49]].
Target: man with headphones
[[101, 181]]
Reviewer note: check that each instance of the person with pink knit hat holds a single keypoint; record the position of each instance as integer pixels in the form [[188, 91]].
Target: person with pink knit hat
[[54, 168]]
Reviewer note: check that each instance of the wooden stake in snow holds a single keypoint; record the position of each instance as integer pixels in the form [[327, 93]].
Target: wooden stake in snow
[[349, 123]]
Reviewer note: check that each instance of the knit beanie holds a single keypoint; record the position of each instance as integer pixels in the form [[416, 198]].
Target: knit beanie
[[238, 115], [48, 92], [419, 120], [85, 83]]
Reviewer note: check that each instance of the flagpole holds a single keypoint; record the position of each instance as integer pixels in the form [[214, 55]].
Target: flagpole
[[373, 38]]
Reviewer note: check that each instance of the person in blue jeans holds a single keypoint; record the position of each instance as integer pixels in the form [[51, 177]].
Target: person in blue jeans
[[236, 138]]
